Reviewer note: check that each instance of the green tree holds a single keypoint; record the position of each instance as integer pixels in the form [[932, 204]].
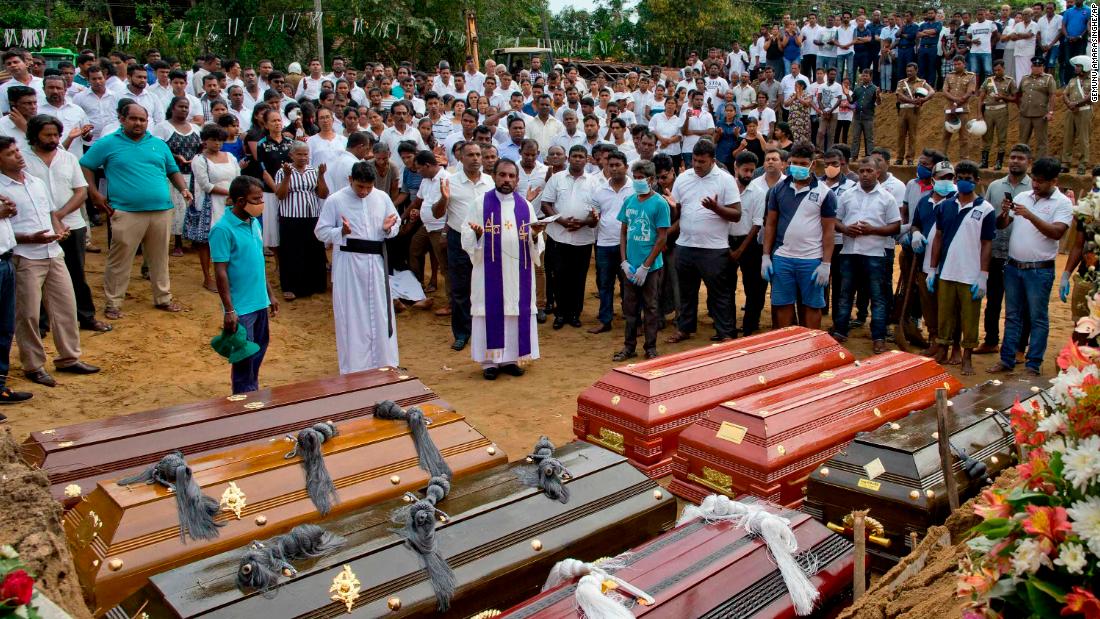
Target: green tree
[[678, 26]]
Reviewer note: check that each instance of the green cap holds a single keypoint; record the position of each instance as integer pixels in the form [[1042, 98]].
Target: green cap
[[234, 347]]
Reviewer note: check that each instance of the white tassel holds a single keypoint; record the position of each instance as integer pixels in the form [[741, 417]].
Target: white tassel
[[775, 531], [595, 604], [589, 594]]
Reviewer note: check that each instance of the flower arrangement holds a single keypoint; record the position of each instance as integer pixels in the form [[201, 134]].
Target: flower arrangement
[[16, 586], [1037, 551], [1087, 211]]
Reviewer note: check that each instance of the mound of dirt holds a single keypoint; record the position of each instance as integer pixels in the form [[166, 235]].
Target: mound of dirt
[[30, 521]]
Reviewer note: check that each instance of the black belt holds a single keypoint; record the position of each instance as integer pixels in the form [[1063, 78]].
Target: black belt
[[1027, 266], [7, 255], [378, 248]]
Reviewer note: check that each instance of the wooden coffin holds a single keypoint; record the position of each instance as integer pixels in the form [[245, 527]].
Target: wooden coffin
[[894, 470], [120, 536], [640, 408], [501, 538], [76, 457], [712, 571], [766, 444]]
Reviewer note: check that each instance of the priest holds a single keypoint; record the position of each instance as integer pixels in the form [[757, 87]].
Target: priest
[[356, 221], [504, 240]]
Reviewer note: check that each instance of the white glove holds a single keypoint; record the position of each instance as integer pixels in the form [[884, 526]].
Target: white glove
[[917, 242], [766, 267], [627, 269], [977, 291], [639, 275], [821, 274]]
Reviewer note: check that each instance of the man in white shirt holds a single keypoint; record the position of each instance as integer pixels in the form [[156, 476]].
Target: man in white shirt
[[606, 199], [40, 273], [697, 122], [338, 66], [443, 83], [763, 113], [210, 63], [667, 127], [460, 192], [737, 62], [161, 86], [401, 113], [744, 95], [709, 200], [24, 106], [570, 135], [543, 127], [1039, 219], [866, 215], [573, 234], [59, 169], [136, 90], [72, 116], [99, 104], [845, 47], [744, 247], [828, 99], [20, 76], [310, 85], [474, 78], [1050, 35], [243, 112], [431, 237], [786, 85], [716, 84], [979, 59], [811, 34]]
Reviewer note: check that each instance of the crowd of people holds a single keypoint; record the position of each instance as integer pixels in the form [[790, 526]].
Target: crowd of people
[[662, 180]]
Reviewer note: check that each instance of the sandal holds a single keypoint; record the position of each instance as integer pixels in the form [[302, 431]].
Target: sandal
[[112, 313], [623, 355], [677, 337], [172, 307]]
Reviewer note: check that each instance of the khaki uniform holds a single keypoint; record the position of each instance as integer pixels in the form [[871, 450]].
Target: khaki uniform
[[996, 111], [909, 117], [957, 85], [1078, 121], [1035, 94]]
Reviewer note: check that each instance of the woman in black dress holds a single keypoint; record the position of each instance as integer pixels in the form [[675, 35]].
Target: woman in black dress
[[300, 188]]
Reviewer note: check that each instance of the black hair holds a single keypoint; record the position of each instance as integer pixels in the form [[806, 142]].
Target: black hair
[[1046, 168], [39, 122], [15, 93], [362, 172], [802, 150], [242, 185], [615, 153], [357, 139], [424, 157], [211, 131], [503, 161], [578, 148], [1021, 148], [882, 151], [968, 167], [662, 162], [844, 150], [703, 147], [406, 146], [746, 156], [172, 103]]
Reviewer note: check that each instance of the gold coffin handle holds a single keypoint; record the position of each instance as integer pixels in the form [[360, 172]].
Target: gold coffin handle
[[884, 542], [715, 480], [609, 439]]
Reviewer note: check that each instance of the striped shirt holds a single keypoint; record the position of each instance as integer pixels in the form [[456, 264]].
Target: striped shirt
[[301, 200]]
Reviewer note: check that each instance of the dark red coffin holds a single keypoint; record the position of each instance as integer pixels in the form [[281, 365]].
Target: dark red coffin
[[638, 409], [76, 457], [767, 444], [715, 571]]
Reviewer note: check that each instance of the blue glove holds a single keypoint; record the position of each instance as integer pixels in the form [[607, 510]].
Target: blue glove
[[931, 283], [821, 274], [766, 267], [977, 290], [639, 275], [1063, 288], [917, 242], [628, 270]]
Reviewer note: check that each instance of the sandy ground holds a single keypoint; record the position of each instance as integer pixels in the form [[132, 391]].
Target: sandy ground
[[153, 359]]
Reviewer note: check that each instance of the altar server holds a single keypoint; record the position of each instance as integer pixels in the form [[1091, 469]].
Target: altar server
[[503, 239], [356, 221]]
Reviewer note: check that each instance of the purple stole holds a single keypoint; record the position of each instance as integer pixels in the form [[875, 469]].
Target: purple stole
[[493, 259]]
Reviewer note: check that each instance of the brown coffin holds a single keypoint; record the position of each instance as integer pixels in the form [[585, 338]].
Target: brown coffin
[[894, 471], [82, 454], [120, 536], [766, 444], [493, 521], [640, 408], [712, 571]]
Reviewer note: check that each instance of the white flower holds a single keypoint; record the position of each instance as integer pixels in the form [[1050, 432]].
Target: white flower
[[8, 552], [1082, 463], [1066, 387], [1085, 516], [1072, 557], [1029, 557], [1056, 443], [1052, 424]]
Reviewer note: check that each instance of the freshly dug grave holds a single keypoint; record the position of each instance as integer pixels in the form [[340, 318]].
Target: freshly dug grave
[[30, 521], [922, 585]]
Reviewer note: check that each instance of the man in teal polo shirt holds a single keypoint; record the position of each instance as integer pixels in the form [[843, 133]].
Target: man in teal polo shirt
[[237, 251], [137, 167]]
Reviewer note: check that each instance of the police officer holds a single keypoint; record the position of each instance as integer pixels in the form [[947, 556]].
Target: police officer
[[1075, 136], [958, 87], [1036, 100], [912, 93], [997, 90]]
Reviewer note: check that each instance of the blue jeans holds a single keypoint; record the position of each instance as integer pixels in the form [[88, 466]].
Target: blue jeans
[[787, 65], [859, 269], [927, 63], [7, 316], [459, 269], [246, 374], [1026, 291], [608, 270], [886, 77], [826, 62], [686, 156], [845, 66], [980, 64]]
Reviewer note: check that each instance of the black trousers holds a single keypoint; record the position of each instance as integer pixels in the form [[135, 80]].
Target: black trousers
[[669, 300], [302, 269], [710, 267], [569, 279], [549, 264], [73, 246], [640, 306], [755, 287], [459, 272]]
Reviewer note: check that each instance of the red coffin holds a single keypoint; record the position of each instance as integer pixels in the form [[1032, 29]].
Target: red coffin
[[768, 443], [711, 571], [638, 410]]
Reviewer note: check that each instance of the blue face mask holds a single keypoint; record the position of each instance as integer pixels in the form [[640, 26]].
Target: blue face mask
[[924, 173], [966, 187], [943, 187], [641, 186], [798, 172]]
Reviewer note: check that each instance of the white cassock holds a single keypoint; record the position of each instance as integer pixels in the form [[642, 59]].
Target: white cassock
[[510, 270], [363, 314]]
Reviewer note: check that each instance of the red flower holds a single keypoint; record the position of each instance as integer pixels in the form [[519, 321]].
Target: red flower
[[17, 588], [1081, 601], [1035, 471], [1025, 420], [1075, 356], [1051, 523]]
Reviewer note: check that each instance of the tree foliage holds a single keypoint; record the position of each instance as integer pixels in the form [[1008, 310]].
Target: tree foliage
[[679, 25]]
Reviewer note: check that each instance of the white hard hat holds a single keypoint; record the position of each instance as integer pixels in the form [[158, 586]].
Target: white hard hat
[[976, 127], [952, 126], [921, 92], [294, 67]]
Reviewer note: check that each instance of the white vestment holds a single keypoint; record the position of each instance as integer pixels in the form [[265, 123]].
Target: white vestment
[[363, 315], [509, 246]]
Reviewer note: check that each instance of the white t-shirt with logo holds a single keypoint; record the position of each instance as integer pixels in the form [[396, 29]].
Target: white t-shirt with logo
[[981, 37], [1026, 243]]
